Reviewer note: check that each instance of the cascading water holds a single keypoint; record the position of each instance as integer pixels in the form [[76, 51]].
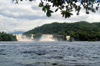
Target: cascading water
[[47, 37], [44, 37], [21, 37]]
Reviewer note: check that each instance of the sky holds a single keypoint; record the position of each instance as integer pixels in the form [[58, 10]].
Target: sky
[[26, 15]]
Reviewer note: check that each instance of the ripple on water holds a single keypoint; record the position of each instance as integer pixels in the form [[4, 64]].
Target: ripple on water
[[49, 53]]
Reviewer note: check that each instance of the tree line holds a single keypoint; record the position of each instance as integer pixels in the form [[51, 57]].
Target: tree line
[[7, 37], [79, 31]]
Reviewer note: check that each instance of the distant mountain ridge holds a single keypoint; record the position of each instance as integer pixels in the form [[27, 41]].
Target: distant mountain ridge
[[17, 32], [82, 30]]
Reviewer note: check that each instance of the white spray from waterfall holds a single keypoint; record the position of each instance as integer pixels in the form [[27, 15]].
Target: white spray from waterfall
[[47, 37]]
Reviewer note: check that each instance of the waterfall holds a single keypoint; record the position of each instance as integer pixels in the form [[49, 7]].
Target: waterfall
[[44, 37], [21, 37]]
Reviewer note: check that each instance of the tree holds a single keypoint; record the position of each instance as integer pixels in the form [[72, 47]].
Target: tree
[[7, 37], [37, 36], [67, 6]]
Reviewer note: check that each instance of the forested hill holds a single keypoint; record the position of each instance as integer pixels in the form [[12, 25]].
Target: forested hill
[[79, 30]]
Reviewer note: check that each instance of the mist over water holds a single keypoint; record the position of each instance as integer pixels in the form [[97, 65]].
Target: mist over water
[[26, 39], [47, 38]]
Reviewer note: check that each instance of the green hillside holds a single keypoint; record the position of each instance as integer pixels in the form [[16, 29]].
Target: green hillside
[[81, 31]]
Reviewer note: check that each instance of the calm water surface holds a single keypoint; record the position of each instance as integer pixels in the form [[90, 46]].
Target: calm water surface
[[49, 53]]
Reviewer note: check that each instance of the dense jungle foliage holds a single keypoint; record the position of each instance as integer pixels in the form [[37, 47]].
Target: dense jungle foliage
[[80, 31], [7, 37]]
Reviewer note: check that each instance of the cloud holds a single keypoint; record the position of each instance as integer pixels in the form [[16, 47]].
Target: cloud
[[25, 16]]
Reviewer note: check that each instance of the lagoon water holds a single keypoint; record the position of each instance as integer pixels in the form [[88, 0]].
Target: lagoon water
[[50, 53]]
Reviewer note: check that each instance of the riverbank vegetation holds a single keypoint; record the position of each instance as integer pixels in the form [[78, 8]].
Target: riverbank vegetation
[[7, 37], [79, 31]]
